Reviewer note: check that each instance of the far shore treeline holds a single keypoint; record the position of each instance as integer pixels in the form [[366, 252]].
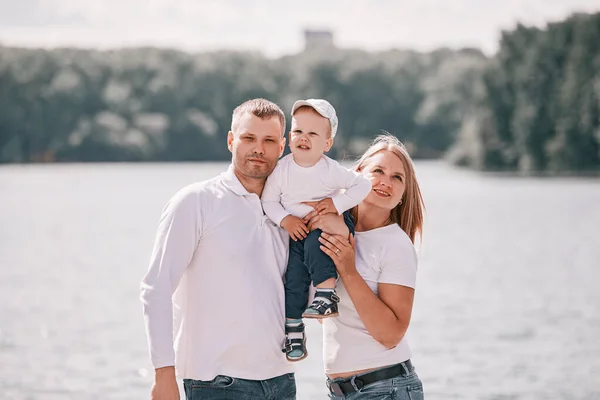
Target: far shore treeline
[[532, 107]]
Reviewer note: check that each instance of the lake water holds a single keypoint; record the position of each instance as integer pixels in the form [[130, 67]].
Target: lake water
[[507, 304]]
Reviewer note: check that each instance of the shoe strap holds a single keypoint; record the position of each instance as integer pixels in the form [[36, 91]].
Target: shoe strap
[[322, 306], [328, 295], [295, 329], [292, 344]]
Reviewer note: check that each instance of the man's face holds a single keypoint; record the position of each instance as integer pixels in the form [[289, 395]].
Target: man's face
[[256, 145]]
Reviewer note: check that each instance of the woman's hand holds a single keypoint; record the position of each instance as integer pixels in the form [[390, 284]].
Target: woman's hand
[[331, 223], [341, 251], [322, 207]]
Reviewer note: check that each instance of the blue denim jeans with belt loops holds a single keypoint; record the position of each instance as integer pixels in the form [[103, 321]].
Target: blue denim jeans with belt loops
[[407, 387], [229, 388]]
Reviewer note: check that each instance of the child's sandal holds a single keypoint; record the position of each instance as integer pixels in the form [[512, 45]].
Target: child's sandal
[[295, 348], [320, 308]]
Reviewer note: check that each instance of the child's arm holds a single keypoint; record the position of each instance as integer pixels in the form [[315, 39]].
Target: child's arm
[[271, 199], [271, 202], [356, 184]]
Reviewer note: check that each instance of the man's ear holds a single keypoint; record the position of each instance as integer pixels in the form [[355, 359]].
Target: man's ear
[[328, 144], [230, 141], [282, 146]]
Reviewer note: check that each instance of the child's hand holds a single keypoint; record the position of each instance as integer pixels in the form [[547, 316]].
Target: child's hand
[[295, 227], [326, 206]]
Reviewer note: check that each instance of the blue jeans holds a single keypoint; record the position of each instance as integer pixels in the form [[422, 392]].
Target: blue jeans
[[400, 388], [227, 388]]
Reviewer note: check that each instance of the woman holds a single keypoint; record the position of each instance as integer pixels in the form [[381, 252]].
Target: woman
[[364, 350]]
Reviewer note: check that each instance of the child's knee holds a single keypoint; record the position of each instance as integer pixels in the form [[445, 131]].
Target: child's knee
[[312, 239], [349, 221]]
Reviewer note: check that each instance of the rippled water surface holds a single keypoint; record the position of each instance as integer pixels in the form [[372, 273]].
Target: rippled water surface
[[507, 304]]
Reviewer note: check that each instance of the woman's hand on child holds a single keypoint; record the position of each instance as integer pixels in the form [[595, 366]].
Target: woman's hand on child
[[295, 227], [322, 207], [330, 223], [326, 206], [341, 251]]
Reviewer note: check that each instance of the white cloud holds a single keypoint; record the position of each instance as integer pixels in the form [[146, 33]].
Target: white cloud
[[273, 27]]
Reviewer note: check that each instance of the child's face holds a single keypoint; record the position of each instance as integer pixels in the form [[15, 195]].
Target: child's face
[[309, 137]]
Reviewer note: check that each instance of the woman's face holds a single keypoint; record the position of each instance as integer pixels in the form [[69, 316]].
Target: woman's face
[[388, 177]]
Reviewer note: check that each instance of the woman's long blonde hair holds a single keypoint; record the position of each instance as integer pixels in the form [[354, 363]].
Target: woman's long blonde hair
[[409, 213]]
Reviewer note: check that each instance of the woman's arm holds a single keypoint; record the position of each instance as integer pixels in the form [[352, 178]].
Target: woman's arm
[[386, 317]]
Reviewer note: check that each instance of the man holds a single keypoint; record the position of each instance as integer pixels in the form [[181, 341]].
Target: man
[[213, 296]]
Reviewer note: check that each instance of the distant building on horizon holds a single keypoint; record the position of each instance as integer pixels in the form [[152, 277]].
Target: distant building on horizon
[[318, 40]]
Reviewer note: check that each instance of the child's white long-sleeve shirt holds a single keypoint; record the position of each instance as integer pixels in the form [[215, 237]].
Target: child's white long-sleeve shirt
[[290, 185]]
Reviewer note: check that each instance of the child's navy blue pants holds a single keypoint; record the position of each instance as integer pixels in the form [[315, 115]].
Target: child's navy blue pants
[[306, 264]]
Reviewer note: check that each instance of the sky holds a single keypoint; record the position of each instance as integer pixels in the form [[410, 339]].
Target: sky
[[272, 27]]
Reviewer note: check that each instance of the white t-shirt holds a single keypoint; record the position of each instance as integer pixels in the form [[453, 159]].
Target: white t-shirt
[[213, 296], [290, 184], [383, 255]]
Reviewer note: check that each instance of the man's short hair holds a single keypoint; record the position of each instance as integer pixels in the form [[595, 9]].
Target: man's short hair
[[262, 108]]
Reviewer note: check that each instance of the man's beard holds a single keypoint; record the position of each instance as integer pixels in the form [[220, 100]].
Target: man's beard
[[255, 171]]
